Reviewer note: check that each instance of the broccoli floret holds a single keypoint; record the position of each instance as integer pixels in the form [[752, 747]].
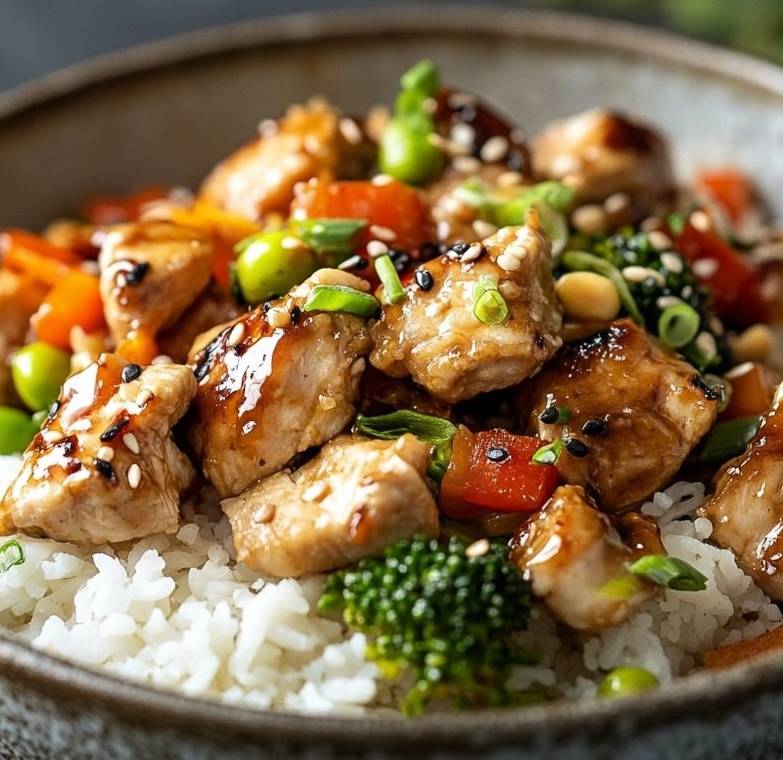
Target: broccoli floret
[[444, 617]]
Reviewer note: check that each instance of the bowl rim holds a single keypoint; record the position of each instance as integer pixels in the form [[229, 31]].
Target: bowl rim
[[702, 694]]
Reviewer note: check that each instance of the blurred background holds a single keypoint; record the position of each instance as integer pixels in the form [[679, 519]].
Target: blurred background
[[37, 36]]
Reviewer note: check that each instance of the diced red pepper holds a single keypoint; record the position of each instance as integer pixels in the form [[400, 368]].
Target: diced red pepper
[[730, 189], [493, 470], [119, 209], [730, 276]]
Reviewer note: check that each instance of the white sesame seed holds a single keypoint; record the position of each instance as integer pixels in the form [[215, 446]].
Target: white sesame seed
[[315, 491], [484, 229], [376, 248], [672, 262], [650, 223], [162, 359], [452, 205], [700, 221], [636, 273], [704, 267], [664, 302], [349, 129], [291, 243], [236, 334], [278, 317], [659, 240], [50, 436], [739, 370], [381, 179], [264, 514], [106, 452], [716, 326], [383, 233], [686, 292], [477, 548], [474, 252], [494, 149], [510, 290], [134, 475], [590, 219], [443, 228], [508, 262], [461, 99], [131, 443], [466, 164], [145, 396], [706, 344], [463, 134], [616, 203], [510, 179], [326, 402]]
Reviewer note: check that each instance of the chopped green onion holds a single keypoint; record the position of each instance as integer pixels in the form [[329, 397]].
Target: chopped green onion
[[342, 298], [676, 222], [435, 430], [678, 325], [622, 682], [576, 261], [423, 77], [11, 553], [549, 454], [729, 439], [489, 306], [621, 587], [330, 236], [563, 415], [669, 572], [393, 291]]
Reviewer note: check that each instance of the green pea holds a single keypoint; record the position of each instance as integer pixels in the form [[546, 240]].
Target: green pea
[[621, 682], [270, 264], [407, 154], [16, 430], [38, 371]]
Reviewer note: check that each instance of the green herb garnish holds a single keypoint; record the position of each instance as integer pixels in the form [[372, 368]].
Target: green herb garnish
[[393, 291], [549, 454], [335, 298], [489, 306], [669, 572], [11, 553]]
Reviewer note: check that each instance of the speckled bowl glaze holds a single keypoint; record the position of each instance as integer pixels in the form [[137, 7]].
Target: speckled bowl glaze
[[166, 113]]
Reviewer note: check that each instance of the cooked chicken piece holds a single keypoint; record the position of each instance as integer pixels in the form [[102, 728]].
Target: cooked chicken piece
[[636, 411], [599, 153], [434, 336], [746, 510], [308, 141], [104, 466], [356, 497], [269, 392], [381, 394], [151, 272], [577, 557]]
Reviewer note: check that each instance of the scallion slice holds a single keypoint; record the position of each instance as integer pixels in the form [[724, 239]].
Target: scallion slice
[[549, 454], [576, 261], [489, 306], [333, 298], [423, 77], [329, 236], [676, 222], [11, 553], [393, 291], [669, 572], [621, 587], [678, 325], [729, 439]]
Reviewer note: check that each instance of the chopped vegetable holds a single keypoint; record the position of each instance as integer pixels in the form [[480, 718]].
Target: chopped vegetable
[[139, 347], [393, 291], [733, 654], [729, 439], [269, 264], [333, 238], [434, 430], [729, 188], [342, 298], [548, 454], [622, 682], [423, 77], [75, 301], [751, 391], [494, 470], [38, 370], [678, 325], [489, 306], [439, 615], [17, 429], [11, 553], [14, 242], [117, 209], [669, 572]]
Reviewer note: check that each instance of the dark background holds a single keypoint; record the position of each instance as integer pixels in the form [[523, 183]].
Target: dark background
[[37, 36]]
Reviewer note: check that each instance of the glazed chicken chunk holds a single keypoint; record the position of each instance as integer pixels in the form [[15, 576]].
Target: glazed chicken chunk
[[635, 412], [356, 497], [746, 510], [151, 272], [599, 154], [573, 553], [104, 468], [434, 336], [275, 383]]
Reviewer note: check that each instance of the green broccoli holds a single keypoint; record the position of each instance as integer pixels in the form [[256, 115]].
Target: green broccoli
[[439, 615]]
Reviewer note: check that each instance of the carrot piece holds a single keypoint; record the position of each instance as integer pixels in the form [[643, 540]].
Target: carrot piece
[[75, 301], [751, 391], [732, 654], [139, 347], [12, 240], [35, 266], [730, 188], [221, 263]]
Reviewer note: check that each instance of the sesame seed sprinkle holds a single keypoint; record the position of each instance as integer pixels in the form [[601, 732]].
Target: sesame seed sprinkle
[[131, 443], [475, 251], [376, 248], [131, 372], [700, 221], [105, 469], [659, 240], [672, 262], [145, 396], [349, 129], [494, 149], [466, 164], [463, 134], [134, 476], [484, 229], [106, 453], [706, 344], [477, 548], [236, 334], [705, 267], [162, 359], [508, 262], [616, 203], [382, 233]]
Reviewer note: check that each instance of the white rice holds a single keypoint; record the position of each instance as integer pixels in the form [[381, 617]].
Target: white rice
[[177, 612]]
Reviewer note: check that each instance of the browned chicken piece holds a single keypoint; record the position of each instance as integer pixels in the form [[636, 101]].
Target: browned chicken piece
[[636, 411], [308, 141], [274, 383], [381, 394], [434, 336], [104, 468], [355, 498], [577, 557], [600, 153], [746, 510], [151, 272]]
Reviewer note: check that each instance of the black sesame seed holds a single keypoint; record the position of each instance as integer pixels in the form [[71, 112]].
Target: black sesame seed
[[105, 469], [549, 416], [112, 431], [576, 448], [131, 372], [429, 250], [424, 279], [137, 273], [540, 342], [296, 312], [458, 248], [400, 258], [594, 426], [497, 454], [267, 305]]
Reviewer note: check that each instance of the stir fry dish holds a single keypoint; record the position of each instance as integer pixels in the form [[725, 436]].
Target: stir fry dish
[[405, 410]]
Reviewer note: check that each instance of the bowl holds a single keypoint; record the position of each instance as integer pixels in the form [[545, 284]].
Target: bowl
[[167, 112]]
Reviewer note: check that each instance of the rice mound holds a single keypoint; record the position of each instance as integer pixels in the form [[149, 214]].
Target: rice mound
[[177, 612]]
